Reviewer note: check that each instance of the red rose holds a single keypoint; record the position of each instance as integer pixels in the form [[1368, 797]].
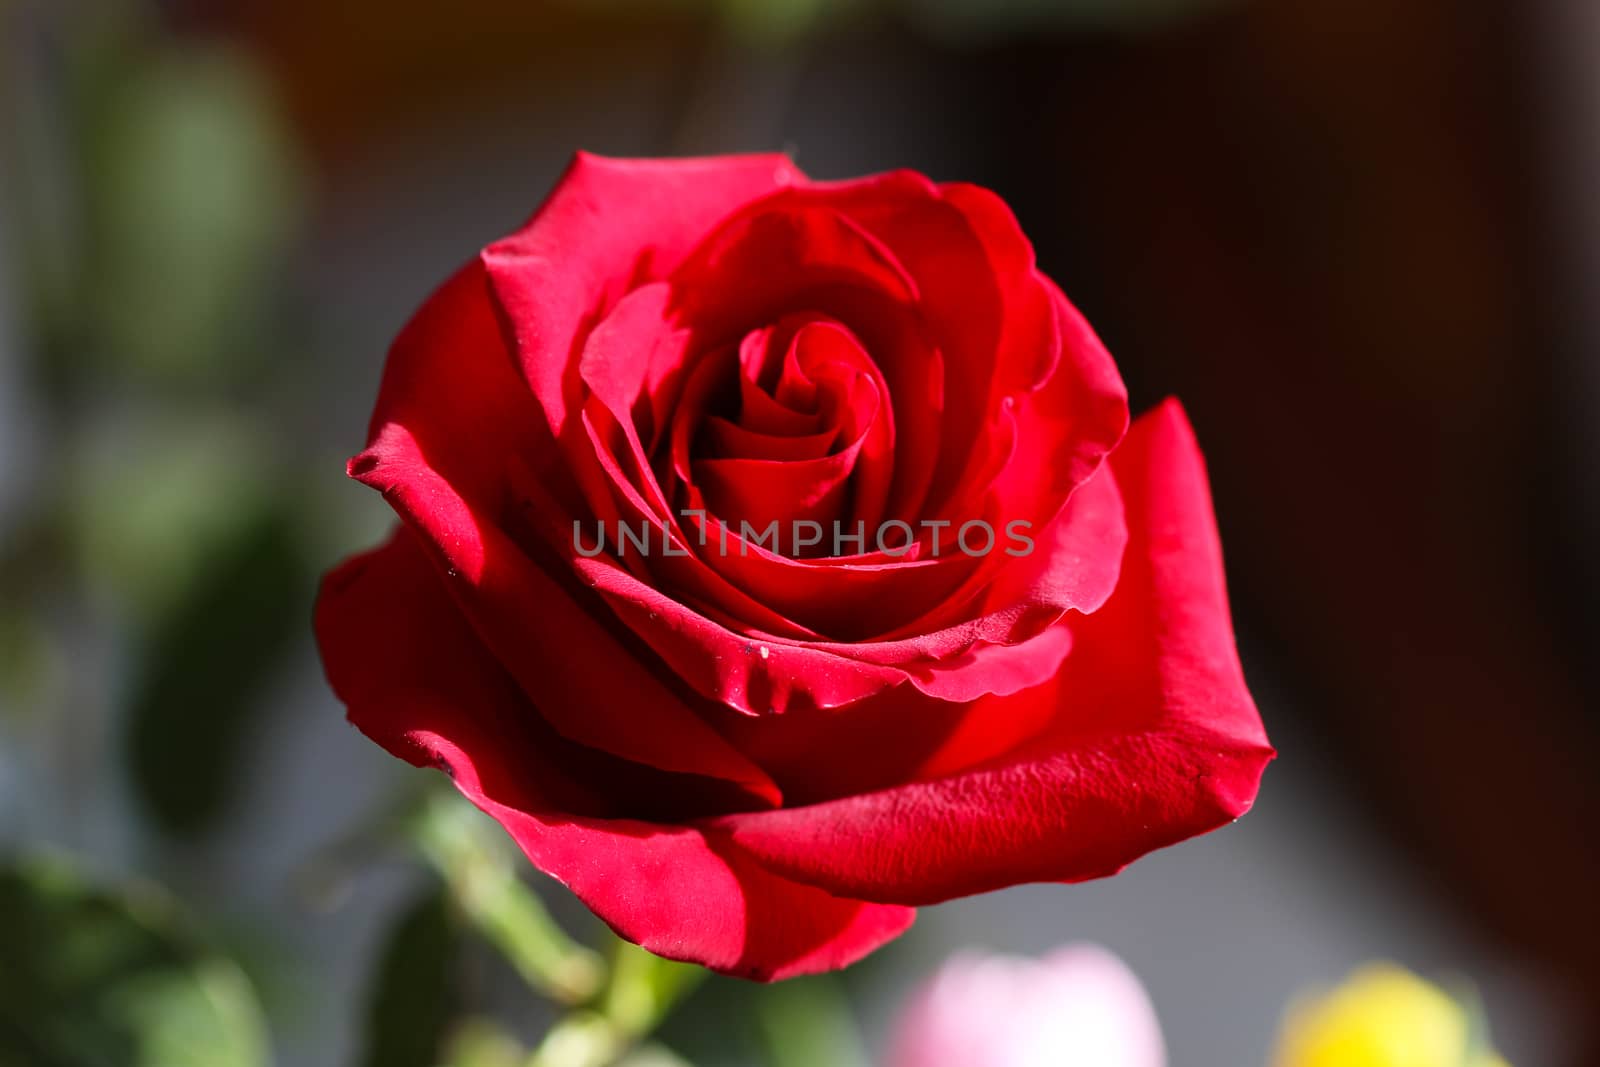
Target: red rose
[[738, 740]]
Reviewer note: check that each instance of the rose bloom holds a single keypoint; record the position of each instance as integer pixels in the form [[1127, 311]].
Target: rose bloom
[[1079, 1006], [762, 757]]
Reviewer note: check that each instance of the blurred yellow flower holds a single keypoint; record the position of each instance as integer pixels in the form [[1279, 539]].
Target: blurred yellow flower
[[1382, 1016]]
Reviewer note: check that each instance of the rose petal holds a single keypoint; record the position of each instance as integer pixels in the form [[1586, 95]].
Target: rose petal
[[759, 410], [609, 226], [728, 440], [999, 644], [417, 681], [1066, 426], [960, 299], [1154, 738], [822, 754], [727, 665], [781, 249], [837, 378], [845, 598], [452, 419]]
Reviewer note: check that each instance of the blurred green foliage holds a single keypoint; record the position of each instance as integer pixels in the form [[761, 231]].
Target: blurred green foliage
[[478, 1042], [157, 201], [205, 672], [608, 1003], [192, 207], [807, 1021], [93, 978], [414, 996], [154, 502]]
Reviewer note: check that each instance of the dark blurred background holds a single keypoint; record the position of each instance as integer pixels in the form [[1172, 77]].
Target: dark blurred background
[[1360, 239]]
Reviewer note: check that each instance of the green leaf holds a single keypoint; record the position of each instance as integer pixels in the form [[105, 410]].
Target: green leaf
[[415, 996], [96, 979], [202, 677]]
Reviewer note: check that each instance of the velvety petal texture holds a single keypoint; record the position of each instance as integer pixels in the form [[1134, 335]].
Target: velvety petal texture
[[418, 681], [776, 556], [1145, 736]]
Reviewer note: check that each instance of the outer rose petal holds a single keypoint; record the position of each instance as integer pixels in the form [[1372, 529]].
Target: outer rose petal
[[416, 680], [1080, 1006], [609, 226], [1154, 738], [451, 423]]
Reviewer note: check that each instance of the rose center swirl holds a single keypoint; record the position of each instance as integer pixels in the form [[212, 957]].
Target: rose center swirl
[[787, 438]]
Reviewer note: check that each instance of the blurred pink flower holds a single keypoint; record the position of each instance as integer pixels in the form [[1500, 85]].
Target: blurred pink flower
[[1080, 1006]]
